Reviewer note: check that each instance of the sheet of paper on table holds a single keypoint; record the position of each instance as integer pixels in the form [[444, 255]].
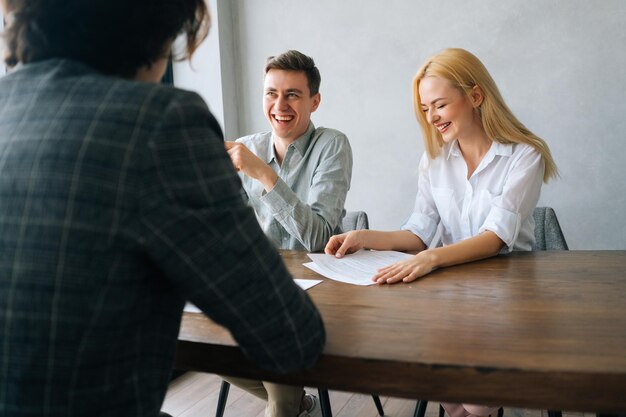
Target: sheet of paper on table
[[357, 268], [305, 284]]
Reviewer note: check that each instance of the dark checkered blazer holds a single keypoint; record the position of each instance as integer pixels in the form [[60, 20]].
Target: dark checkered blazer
[[117, 203]]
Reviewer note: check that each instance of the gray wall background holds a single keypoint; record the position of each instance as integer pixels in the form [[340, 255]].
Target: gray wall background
[[560, 65]]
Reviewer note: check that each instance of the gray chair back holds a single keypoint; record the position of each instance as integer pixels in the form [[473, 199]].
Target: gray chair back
[[355, 220], [548, 233]]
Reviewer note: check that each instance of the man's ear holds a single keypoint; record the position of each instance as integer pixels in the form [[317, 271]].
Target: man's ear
[[317, 98], [477, 96]]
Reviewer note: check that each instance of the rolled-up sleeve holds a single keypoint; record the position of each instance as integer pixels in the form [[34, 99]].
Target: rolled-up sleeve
[[425, 217], [519, 197]]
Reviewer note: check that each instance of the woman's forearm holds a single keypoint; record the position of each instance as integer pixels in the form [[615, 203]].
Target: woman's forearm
[[401, 240], [484, 245]]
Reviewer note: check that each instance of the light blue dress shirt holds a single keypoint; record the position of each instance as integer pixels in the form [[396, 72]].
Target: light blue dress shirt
[[306, 205]]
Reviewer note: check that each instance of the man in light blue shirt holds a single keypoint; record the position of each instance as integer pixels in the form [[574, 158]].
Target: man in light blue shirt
[[297, 176]]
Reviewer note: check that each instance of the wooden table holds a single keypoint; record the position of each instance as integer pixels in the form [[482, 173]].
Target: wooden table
[[536, 329]]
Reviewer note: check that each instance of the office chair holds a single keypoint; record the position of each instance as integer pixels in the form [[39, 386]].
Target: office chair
[[548, 233], [353, 220], [548, 236]]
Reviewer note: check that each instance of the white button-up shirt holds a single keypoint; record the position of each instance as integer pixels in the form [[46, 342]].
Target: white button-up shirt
[[499, 196]]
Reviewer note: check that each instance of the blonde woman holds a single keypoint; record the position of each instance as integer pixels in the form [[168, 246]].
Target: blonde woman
[[479, 179]]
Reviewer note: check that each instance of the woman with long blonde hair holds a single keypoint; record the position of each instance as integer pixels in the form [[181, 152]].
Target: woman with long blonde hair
[[480, 179]]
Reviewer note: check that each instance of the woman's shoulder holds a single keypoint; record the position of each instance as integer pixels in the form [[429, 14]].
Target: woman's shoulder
[[524, 152]]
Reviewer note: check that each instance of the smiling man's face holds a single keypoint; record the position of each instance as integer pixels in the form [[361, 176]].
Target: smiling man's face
[[287, 103]]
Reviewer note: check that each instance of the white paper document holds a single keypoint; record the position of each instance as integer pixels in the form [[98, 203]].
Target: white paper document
[[357, 268], [191, 308], [305, 284]]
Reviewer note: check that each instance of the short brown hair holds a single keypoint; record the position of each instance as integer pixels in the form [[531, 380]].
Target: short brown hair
[[115, 37], [293, 60]]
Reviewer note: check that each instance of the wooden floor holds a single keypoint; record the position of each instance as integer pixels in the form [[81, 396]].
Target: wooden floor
[[195, 395]]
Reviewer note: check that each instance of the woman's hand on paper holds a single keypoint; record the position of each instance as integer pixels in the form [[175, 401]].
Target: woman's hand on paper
[[406, 271]]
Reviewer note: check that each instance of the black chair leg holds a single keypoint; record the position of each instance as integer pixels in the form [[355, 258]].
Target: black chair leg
[[221, 401], [442, 412], [379, 405], [325, 402], [420, 408], [501, 412], [552, 413]]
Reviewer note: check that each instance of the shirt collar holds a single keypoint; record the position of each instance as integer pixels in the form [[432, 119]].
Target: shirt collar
[[301, 144], [502, 149], [497, 148], [453, 149]]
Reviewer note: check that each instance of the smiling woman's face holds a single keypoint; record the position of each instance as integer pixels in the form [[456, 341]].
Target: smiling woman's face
[[447, 108]]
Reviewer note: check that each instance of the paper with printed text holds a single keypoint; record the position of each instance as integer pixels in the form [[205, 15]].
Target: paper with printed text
[[357, 268]]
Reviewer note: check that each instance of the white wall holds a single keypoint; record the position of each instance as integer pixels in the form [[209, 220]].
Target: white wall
[[212, 71], [559, 63], [203, 73]]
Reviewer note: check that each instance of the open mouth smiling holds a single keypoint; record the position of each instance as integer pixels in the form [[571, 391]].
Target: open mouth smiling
[[283, 119], [443, 126]]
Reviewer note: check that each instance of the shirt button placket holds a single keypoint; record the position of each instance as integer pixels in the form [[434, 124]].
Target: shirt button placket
[[467, 202]]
